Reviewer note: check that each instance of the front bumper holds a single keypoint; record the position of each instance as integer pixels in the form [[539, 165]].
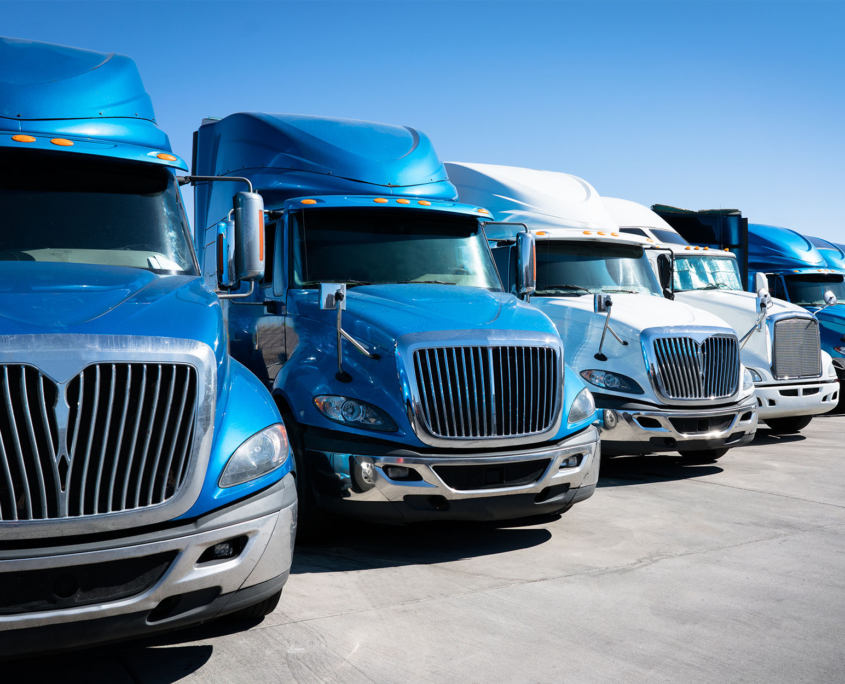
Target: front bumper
[[187, 592], [438, 484], [643, 431], [782, 400]]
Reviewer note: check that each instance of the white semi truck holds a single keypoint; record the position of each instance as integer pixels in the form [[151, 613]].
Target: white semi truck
[[666, 376], [794, 378]]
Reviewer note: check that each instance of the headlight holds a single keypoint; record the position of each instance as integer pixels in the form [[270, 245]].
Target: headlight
[[611, 381], [583, 407], [755, 375], [839, 350], [747, 380], [354, 413], [260, 454]]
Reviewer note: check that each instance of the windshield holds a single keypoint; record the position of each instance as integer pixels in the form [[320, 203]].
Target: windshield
[[668, 236], [90, 210], [706, 273], [570, 268], [808, 290], [363, 247]]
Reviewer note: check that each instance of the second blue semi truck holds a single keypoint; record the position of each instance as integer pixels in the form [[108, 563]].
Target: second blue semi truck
[[796, 269], [144, 473], [411, 385]]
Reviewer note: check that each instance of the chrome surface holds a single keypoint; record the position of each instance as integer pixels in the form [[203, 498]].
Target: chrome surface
[[692, 364], [481, 386], [796, 347], [101, 432]]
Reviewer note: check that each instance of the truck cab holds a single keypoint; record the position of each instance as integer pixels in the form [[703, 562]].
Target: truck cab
[[780, 344], [413, 387], [666, 376], [144, 474], [796, 270]]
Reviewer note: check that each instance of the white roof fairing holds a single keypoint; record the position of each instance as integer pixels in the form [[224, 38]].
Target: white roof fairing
[[631, 214], [540, 199]]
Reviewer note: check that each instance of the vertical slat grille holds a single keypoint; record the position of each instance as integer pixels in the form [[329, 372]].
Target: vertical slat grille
[[687, 369], [796, 349], [486, 392], [128, 440]]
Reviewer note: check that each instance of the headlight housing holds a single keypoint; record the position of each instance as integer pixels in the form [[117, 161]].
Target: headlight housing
[[755, 375], [747, 380], [583, 408], [831, 370], [612, 381], [354, 413], [260, 454]]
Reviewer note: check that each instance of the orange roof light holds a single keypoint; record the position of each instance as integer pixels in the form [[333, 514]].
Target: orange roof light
[[615, 234], [587, 232], [482, 211], [425, 203], [62, 142], [541, 232], [727, 250], [697, 248], [649, 239], [309, 201], [23, 138], [706, 248], [600, 233], [166, 157], [380, 200], [403, 201], [687, 247]]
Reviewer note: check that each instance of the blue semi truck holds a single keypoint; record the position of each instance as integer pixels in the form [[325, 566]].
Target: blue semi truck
[[412, 387], [796, 268], [144, 473]]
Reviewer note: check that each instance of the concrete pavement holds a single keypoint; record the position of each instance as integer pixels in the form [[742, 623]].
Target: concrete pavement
[[727, 572]]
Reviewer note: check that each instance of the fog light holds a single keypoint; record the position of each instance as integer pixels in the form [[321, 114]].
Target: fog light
[[571, 462], [225, 550], [397, 472], [611, 419]]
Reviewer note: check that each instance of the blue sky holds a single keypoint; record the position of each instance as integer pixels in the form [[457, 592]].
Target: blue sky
[[697, 104]]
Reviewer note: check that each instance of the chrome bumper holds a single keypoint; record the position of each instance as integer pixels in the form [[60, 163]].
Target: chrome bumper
[[783, 400], [650, 431], [364, 482], [265, 559]]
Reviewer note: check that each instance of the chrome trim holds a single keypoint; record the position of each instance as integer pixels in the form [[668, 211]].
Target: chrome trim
[[687, 378], [62, 358], [407, 345]]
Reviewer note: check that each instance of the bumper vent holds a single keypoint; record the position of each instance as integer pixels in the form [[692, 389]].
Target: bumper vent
[[688, 369], [488, 392], [797, 349], [119, 439]]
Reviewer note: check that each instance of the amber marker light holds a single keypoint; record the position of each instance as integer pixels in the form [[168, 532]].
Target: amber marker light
[[649, 240], [166, 157], [62, 142], [380, 200], [687, 247], [482, 211], [727, 250], [697, 248], [600, 233], [309, 201], [541, 232], [403, 201], [424, 203], [587, 232], [23, 138], [706, 248], [615, 234]]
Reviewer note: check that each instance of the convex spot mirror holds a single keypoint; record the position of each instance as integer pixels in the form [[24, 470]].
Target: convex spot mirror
[[226, 277], [526, 263], [249, 235]]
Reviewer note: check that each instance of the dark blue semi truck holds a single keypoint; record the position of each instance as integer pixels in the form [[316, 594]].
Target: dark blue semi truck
[[144, 473], [413, 388], [802, 270]]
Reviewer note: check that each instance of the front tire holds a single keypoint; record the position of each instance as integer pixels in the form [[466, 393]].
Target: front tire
[[307, 514], [788, 425], [703, 456]]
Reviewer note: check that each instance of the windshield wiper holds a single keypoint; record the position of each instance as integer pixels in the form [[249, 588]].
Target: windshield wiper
[[348, 283], [547, 288], [428, 282], [619, 290]]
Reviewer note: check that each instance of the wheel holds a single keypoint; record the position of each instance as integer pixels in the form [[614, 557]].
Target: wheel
[[259, 610], [787, 425], [703, 455], [307, 514]]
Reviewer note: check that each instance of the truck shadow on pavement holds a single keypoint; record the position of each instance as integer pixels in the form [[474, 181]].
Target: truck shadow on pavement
[[766, 437], [623, 471]]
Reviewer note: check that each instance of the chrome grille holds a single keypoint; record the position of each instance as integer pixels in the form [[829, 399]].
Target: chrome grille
[[688, 369], [487, 392], [796, 349], [120, 439]]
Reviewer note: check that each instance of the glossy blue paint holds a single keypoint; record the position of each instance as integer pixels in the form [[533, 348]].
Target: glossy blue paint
[[95, 99], [833, 254], [771, 248]]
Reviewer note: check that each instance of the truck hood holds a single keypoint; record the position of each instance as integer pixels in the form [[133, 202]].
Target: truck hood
[[42, 298], [631, 314], [735, 307], [380, 314]]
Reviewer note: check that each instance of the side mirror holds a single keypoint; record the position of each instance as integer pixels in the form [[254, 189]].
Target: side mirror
[[526, 263], [226, 279], [829, 298], [666, 272], [249, 236], [602, 303], [329, 301], [760, 282], [764, 300]]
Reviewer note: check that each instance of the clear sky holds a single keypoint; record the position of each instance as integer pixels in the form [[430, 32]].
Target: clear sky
[[696, 104]]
